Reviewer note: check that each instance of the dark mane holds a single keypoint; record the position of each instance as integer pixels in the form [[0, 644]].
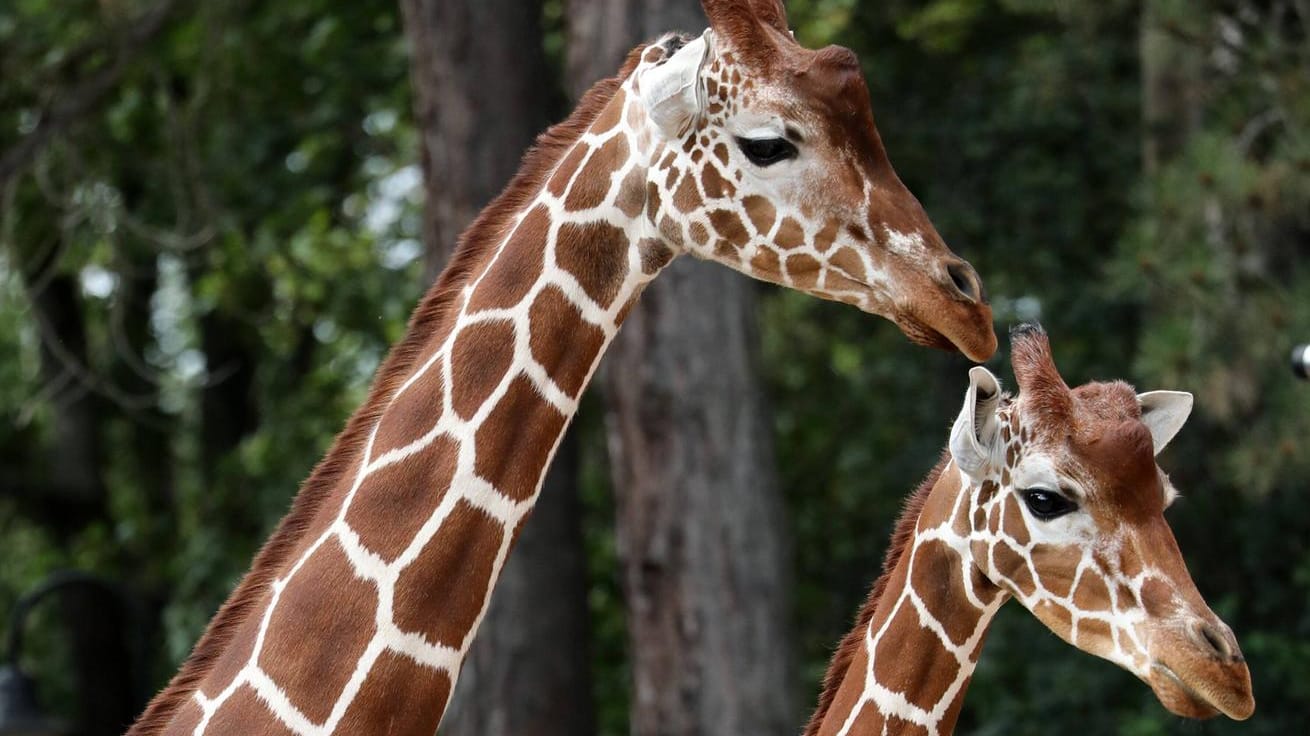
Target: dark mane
[[428, 320], [850, 644]]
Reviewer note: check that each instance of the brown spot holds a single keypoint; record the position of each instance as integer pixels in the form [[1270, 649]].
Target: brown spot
[[596, 254], [395, 501], [689, 143], [670, 230], [715, 185], [327, 599], [1130, 563], [823, 240], [715, 108], [559, 181], [1011, 456], [790, 234], [728, 227], [1013, 523], [986, 491], [1057, 565], [736, 77], [655, 254], [562, 341], [937, 575], [850, 263], [1013, 567], [869, 720], [399, 697], [857, 232], [697, 155], [1157, 597], [517, 267], [902, 727], [765, 263], [1095, 635], [1125, 596], [1091, 594], [721, 153], [592, 186], [923, 678], [516, 439], [668, 160], [482, 354], [652, 201], [699, 233], [686, 198], [803, 269], [960, 522], [761, 213], [610, 116], [1005, 433], [440, 594], [711, 88], [979, 519], [1005, 477], [246, 713], [1056, 617], [632, 193]]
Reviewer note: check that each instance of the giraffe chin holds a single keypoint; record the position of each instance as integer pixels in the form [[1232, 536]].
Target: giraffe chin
[[920, 333], [1182, 699]]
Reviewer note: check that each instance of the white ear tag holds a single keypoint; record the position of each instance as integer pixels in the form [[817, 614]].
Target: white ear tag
[[672, 92]]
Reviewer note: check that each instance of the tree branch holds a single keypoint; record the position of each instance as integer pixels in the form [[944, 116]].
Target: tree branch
[[86, 95]]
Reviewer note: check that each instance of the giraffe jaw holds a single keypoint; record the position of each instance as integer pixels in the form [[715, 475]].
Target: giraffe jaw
[[1198, 702], [978, 343]]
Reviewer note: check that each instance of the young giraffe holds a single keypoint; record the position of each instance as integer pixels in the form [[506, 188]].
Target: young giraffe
[[1053, 498], [738, 146]]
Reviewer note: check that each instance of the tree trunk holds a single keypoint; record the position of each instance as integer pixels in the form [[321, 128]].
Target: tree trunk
[[482, 92], [701, 527]]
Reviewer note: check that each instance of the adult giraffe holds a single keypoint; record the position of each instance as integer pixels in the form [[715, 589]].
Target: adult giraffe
[[1053, 498], [738, 146]]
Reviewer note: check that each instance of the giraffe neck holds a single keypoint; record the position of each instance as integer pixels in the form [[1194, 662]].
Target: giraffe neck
[[365, 622], [907, 664]]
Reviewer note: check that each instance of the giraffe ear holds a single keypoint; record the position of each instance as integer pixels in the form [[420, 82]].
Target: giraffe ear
[[973, 438], [1164, 413], [672, 92]]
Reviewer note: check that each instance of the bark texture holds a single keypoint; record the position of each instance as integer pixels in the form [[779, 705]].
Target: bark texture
[[483, 91], [701, 529]]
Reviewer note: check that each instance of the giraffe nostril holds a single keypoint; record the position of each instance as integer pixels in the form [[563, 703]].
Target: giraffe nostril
[[966, 281], [1212, 640]]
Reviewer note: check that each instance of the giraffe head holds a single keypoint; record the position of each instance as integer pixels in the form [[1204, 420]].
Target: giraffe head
[[1066, 513], [764, 156]]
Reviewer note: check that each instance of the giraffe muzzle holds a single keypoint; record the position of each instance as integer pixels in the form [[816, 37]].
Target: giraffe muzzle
[[1199, 671]]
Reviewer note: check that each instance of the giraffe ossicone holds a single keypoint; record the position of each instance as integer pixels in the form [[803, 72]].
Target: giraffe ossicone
[[739, 147], [1053, 498]]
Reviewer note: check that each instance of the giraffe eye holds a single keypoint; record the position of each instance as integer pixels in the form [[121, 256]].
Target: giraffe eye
[[766, 151], [1047, 505]]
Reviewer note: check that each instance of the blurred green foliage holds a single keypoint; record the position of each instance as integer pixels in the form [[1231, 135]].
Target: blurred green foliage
[[252, 176]]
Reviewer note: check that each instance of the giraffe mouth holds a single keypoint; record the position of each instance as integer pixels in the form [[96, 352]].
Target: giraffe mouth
[[1195, 701]]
